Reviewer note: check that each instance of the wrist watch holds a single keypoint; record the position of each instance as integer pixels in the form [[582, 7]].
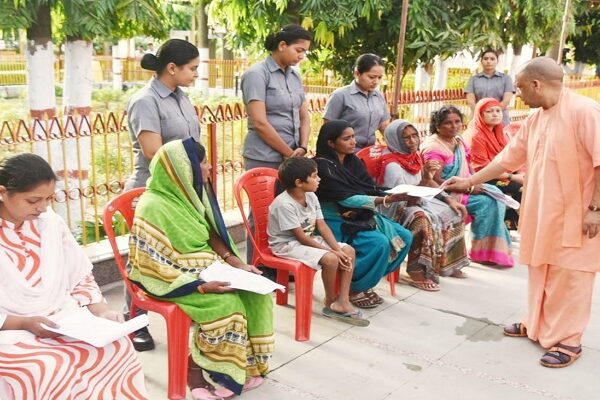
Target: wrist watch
[[593, 208]]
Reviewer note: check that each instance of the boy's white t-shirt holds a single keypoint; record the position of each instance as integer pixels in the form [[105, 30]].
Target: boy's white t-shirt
[[285, 214]]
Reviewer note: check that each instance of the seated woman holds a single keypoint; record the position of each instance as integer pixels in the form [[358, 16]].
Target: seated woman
[[177, 231], [349, 198], [437, 225], [486, 138], [491, 243], [44, 272]]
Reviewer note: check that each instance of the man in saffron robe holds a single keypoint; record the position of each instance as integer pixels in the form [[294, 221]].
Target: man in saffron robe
[[560, 211]]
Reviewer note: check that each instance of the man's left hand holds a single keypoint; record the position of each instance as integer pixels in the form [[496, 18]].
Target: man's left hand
[[591, 223]]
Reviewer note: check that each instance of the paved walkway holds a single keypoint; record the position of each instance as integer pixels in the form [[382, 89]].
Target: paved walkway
[[420, 345]]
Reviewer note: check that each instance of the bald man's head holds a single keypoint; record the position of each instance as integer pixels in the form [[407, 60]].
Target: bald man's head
[[544, 69]]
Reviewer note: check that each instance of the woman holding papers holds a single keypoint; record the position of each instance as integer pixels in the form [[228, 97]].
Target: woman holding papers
[[486, 138], [177, 232], [43, 271], [349, 200], [491, 243], [437, 225]]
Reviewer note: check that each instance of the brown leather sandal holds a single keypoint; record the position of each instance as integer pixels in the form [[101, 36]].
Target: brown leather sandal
[[564, 356], [362, 300]]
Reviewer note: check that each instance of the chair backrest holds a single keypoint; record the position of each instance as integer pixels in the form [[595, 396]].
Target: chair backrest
[[125, 205], [368, 155], [259, 185]]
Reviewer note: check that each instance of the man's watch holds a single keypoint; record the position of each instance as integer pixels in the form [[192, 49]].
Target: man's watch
[[593, 208]]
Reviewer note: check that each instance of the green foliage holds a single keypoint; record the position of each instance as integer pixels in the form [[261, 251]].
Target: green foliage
[[179, 16], [586, 41]]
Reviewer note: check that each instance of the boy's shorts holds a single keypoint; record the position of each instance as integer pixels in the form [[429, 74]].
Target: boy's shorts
[[308, 255]]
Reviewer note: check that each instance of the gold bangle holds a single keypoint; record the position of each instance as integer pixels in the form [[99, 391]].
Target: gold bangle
[[201, 290], [226, 256], [471, 189], [384, 203]]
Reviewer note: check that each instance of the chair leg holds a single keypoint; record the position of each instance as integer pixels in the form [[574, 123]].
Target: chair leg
[[283, 278], [304, 290], [178, 325], [393, 278]]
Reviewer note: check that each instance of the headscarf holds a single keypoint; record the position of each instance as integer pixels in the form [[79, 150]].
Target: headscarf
[[411, 162], [172, 224], [340, 181], [480, 136]]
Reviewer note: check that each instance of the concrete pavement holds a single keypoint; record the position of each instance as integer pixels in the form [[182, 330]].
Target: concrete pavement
[[420, 345]]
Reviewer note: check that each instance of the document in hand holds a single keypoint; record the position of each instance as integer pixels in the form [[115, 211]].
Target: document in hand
[[81, 324], [502, 198], [239, 278], [416, 191]]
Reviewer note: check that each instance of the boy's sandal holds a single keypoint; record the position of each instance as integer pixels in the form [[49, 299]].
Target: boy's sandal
[[376, 298], [562, 355], [362, 300], [515, 330], [352, 318]]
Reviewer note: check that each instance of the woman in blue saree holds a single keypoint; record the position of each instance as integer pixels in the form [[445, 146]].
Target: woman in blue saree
[[491, 243], [347, 192]]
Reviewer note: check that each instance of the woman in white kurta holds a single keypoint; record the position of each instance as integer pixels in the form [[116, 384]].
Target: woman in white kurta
[[43, 271]]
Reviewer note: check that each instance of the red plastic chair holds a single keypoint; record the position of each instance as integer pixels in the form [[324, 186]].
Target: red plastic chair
[[178, 323], [259, 185]]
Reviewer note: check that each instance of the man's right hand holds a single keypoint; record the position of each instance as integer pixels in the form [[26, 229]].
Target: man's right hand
[[456, 184], [216, 287]]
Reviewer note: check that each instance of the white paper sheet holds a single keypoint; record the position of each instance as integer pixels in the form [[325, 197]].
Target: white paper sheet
[[416, 191], [81, 324], [239, 278], [502, 198]]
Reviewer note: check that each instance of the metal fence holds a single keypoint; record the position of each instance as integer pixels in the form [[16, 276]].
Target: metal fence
[[93, 156]]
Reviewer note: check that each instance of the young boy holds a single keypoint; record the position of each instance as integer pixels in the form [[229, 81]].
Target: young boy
[[294, 219]]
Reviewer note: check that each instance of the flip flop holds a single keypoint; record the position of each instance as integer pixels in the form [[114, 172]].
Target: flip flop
[[352, 318], [204, 394]]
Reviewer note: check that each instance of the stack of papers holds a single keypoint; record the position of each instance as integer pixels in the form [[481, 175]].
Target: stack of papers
[[239, 279], [416, 191], [81, 324]]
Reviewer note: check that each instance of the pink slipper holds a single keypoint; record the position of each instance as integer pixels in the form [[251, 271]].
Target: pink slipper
[[250, 384], [204, 394]]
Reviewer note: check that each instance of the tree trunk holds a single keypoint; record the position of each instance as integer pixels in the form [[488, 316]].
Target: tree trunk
[[441, 74], [40, 66], [516, 60], [202, 39], [77, 100]]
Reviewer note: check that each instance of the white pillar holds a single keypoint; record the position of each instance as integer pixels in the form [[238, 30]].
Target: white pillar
[[117, 68]]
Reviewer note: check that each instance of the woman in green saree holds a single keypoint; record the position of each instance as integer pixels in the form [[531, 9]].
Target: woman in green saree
[[178, 230]]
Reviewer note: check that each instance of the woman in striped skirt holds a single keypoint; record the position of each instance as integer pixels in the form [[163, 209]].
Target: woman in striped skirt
[[43, 272]]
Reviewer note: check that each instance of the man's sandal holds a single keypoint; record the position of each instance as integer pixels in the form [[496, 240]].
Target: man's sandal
[[362, 300], [562, 355], [515, 330]]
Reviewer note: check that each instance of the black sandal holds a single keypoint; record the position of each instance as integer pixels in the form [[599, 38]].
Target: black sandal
[[515, 330]]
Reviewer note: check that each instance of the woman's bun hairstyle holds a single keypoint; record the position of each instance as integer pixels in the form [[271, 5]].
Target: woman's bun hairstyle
[[289, 34], [176, 51]]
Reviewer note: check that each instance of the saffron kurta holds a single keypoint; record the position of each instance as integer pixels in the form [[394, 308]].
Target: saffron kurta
[[44, 271], [560, 147]]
